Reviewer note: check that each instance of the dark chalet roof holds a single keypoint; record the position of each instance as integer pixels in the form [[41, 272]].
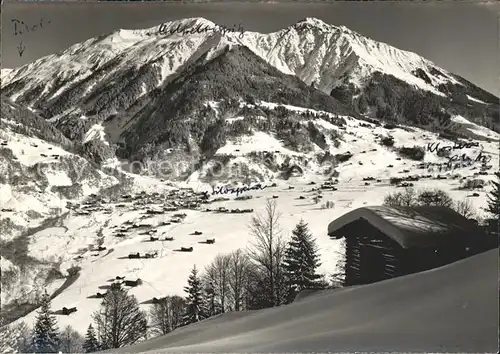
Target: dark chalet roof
[[423, 226]]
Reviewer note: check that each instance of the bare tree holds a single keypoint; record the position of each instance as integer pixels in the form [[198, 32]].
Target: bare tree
[[267, 254], [435, 197], [424, 197], [406, 198], [120, 322], [24, 338], [465, 208], [239, 272], [71, 341], [167, 314], [216, 279]]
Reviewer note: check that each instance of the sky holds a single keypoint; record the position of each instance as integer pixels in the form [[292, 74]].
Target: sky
[[460, 37]]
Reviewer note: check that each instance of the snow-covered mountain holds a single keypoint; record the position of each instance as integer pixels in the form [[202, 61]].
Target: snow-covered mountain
[[4, 73], [309, 102], [321, 53], [128, 72]]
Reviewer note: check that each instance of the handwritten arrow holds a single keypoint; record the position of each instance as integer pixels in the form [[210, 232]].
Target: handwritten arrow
[[21, 48]]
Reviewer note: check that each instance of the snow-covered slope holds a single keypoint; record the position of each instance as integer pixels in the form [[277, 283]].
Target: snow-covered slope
[[4, 73], [37, 180], [116, 52], [443, 304], [311, 49], [39, 174], [449, 309], [321, 53]]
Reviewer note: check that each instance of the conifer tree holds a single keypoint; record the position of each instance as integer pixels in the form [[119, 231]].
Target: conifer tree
[[494, 198], [301, 260], [493, 223], [195, 309], [45, 333], [90, 345]]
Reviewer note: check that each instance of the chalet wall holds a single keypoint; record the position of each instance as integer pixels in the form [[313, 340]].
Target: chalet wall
[[372, 256]]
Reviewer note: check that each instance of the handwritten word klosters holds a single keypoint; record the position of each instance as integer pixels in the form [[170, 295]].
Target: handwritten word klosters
[[237, 190], [434, 147], [20, 27], [200, 29]]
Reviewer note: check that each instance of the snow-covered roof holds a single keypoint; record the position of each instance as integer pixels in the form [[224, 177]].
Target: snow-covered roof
[[423, 226]]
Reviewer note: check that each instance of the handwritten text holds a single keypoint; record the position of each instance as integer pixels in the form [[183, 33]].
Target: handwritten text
[[20, 27], [200, 29], [237, 190], [434, 147]]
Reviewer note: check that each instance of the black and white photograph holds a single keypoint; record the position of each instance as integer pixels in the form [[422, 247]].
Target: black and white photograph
[[249, 176]]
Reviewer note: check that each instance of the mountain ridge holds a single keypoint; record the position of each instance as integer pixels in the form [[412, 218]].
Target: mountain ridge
[[128, 69], [127, 37]]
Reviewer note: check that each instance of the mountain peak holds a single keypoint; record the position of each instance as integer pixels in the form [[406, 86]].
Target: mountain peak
[[192, 21], [314, 22]]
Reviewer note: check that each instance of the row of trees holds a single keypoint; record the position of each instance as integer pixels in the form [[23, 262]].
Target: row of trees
[[429, 197], [269, 273]]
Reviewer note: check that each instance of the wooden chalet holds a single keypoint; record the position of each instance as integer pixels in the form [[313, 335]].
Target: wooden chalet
[[385, 242], [67, 311], [132, 283]]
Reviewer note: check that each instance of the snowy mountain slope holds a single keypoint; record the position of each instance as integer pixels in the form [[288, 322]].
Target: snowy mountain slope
[[235, 73], [77, 230], [70, 78], [335, 57], [310, 49], [4, 73], [321, 53], [38, 162], [39, 174], [137, 64], [34, 191]]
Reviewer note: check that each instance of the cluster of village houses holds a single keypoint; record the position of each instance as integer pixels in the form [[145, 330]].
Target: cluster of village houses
[[151, 204]]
